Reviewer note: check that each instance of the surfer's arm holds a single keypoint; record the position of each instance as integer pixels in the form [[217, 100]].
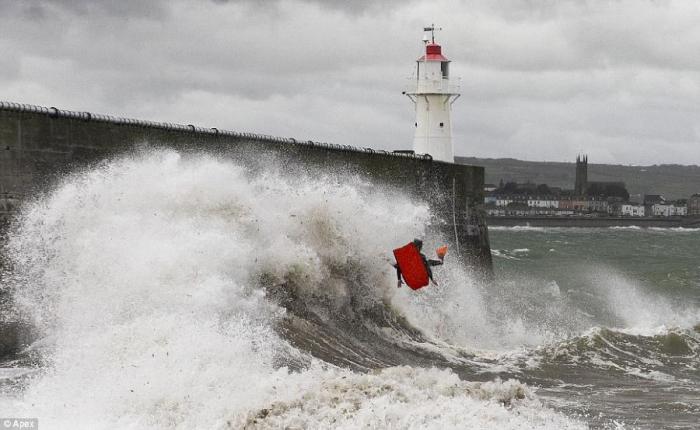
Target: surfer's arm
[[435, 262]]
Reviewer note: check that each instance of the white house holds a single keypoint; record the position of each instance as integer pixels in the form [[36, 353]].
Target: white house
[[496, 212], [543, 203], [665, 210], [503, 201], [661, 210], [632, 210]]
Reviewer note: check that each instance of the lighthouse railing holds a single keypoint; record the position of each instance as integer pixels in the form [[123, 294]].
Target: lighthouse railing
[[433, 86]]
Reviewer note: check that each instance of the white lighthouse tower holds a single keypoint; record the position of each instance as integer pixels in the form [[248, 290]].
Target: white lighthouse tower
[[433, 93]]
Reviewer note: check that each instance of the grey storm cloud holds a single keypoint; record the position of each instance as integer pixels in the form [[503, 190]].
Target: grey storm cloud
[[44, 9], [540, 79], [352, 7]]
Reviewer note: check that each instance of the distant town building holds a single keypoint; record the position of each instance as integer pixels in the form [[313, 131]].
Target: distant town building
[[653, 199], [517, 209], [503, 201], [666, 210], [547, 202], [581, 183], [632, 210], [599, 189], [588, 198], [615, 208], [495, 212], [577, 204], [650, 200], [599, 206], [607, 189], [694, 205]]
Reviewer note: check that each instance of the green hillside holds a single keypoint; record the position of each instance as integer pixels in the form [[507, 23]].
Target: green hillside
[[670, 180]]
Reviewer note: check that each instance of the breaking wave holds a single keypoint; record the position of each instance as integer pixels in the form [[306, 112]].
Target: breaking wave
[[173, 291], [180, 291]]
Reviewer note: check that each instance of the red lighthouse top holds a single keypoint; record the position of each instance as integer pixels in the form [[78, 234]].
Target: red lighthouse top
[[433, 52]]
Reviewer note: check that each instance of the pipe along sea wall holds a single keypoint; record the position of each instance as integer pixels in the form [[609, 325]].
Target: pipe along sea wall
[[39, 146]]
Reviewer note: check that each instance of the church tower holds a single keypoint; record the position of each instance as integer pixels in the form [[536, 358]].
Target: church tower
[[581, 175]]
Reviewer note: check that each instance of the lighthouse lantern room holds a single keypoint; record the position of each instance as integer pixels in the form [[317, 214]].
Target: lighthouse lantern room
[[433, 92]]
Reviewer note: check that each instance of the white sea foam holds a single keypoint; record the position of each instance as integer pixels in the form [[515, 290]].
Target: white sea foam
[[144, 278], [502, 254], [676, 229], [520, 228], [657, 229], [653, 375], [409, 398]]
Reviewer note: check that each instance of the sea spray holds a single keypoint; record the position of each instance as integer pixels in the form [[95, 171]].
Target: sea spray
[[150, 282]]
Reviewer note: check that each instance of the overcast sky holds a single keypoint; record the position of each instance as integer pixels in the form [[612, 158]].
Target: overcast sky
[[540, 80]]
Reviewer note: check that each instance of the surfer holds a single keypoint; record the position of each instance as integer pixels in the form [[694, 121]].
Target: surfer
[[427, 263]]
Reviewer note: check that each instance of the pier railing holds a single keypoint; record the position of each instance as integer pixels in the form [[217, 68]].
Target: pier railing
[[88, 116]]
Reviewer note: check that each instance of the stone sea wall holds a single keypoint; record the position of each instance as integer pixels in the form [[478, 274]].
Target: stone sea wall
[[39, 145]]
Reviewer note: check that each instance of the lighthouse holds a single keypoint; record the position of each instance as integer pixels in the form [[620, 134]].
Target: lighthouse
[[432, 93]]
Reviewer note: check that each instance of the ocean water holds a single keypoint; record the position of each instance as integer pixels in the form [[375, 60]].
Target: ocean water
[[629, 299], [167, 290]]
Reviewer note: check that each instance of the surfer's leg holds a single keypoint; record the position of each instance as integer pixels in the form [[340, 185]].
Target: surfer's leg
[[398, 276]]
